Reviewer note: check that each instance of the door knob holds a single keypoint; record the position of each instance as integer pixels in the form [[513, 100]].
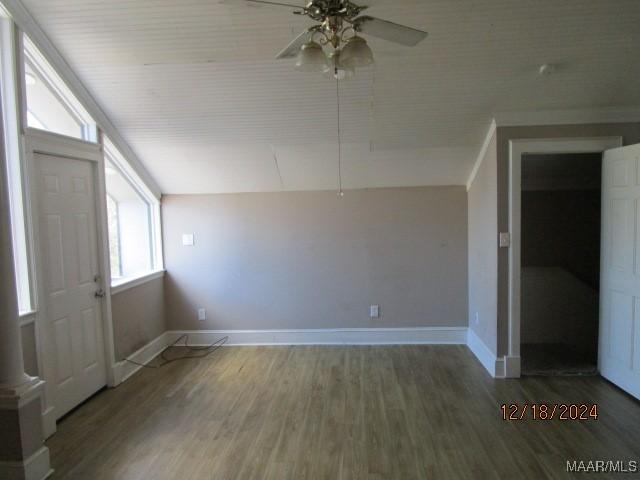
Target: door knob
[[99, 293]]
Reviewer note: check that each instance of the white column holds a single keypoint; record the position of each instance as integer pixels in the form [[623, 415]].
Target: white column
[[23, 454], [11, 361]]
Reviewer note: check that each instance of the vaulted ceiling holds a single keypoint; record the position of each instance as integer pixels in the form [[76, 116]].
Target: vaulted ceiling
[[194, 88]]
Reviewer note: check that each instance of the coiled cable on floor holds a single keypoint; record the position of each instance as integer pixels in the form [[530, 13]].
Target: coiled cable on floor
[[203, 351]]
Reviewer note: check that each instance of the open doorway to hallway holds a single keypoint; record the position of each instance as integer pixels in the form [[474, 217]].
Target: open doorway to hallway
[[560, 258]]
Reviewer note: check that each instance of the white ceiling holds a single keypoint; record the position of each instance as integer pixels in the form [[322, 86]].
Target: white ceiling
[[193, 87]]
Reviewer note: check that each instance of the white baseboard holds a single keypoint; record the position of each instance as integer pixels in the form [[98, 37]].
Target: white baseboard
[[337, 336], [36, 467], [498, 367], [511, 366], [49, 426], [483, 353], [124, 369]]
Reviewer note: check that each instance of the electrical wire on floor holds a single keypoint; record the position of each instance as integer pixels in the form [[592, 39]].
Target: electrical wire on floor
[[206, 351]]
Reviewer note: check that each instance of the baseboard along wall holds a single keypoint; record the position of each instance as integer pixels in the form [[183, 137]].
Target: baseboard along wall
[[497, 367]]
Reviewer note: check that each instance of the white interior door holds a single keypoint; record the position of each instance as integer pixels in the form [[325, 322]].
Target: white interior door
[[619, 349], [68, 243]]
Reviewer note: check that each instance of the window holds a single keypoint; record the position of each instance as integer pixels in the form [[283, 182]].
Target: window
[[50, 104], [10, 124], [114, 237], [133, 221]]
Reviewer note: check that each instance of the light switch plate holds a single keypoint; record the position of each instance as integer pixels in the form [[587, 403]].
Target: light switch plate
[[188, 239], [505, 239]]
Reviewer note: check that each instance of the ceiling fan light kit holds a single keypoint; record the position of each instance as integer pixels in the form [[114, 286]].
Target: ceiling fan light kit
[[336, 67], [356, 53], [339, 29], [340, 24], [311, 58]]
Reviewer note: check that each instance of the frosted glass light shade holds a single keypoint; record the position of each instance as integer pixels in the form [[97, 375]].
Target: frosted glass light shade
[[356, 53], [311, 58]]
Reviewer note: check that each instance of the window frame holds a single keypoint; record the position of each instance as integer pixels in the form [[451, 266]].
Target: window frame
[[33, 57], [11, 87], [113, 155], [117, 212]]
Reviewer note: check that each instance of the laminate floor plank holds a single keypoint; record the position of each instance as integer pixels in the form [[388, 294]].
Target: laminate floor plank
[[338, 412]]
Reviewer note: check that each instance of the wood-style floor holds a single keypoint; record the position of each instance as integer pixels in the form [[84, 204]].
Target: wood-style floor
[[397, 412]]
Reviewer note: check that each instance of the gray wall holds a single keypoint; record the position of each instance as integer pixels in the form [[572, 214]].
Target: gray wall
[[630, 133], [483, 273], [312, 260], [138, 316]]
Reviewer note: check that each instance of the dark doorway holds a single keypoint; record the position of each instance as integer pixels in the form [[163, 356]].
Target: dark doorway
[[561, 197]]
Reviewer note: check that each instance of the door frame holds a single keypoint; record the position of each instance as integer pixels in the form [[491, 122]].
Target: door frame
[[47, 143], [518, 148]]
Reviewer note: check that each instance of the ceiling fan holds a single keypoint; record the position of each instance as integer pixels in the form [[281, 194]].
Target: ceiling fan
[[340, 24]]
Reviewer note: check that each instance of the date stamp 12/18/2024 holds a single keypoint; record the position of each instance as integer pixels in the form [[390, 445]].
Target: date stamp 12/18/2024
[[549, 411]]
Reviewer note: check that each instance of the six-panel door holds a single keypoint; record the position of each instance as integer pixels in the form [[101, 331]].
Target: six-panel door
[[619, 348], [69, 252]]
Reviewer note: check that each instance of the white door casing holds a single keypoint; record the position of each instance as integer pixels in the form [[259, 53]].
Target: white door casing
[[619, 342], [66, 280], [518, 148]]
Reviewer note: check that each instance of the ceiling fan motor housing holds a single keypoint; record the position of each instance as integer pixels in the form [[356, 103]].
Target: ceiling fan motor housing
[[320, 10]]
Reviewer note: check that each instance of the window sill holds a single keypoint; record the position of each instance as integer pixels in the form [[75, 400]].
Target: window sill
[[27, 318], [121, 285]]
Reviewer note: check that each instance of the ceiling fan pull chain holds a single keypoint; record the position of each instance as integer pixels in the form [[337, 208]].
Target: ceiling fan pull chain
[[340, 192]]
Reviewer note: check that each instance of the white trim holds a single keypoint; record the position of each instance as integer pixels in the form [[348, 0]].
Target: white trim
[[49, 425], [27, 318], [41, 67], [36, 467], [511, 366], [104, 261], [334, 336], [497, 367], [27, 24], [130, 175], [482, 153], [121, 285], [11, 109], [47, 143], [40, 141], [13, 398], [517, 148], [482, 352], [569, 117], [144, 355]]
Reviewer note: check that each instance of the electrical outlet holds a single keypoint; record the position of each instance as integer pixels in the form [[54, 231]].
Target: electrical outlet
[[374, 311], [202, 314], [188, 239], [477, 318]]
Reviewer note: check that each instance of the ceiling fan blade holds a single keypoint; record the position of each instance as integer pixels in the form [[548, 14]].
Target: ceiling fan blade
[[276, 3], [293, 48], [390, 31]]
